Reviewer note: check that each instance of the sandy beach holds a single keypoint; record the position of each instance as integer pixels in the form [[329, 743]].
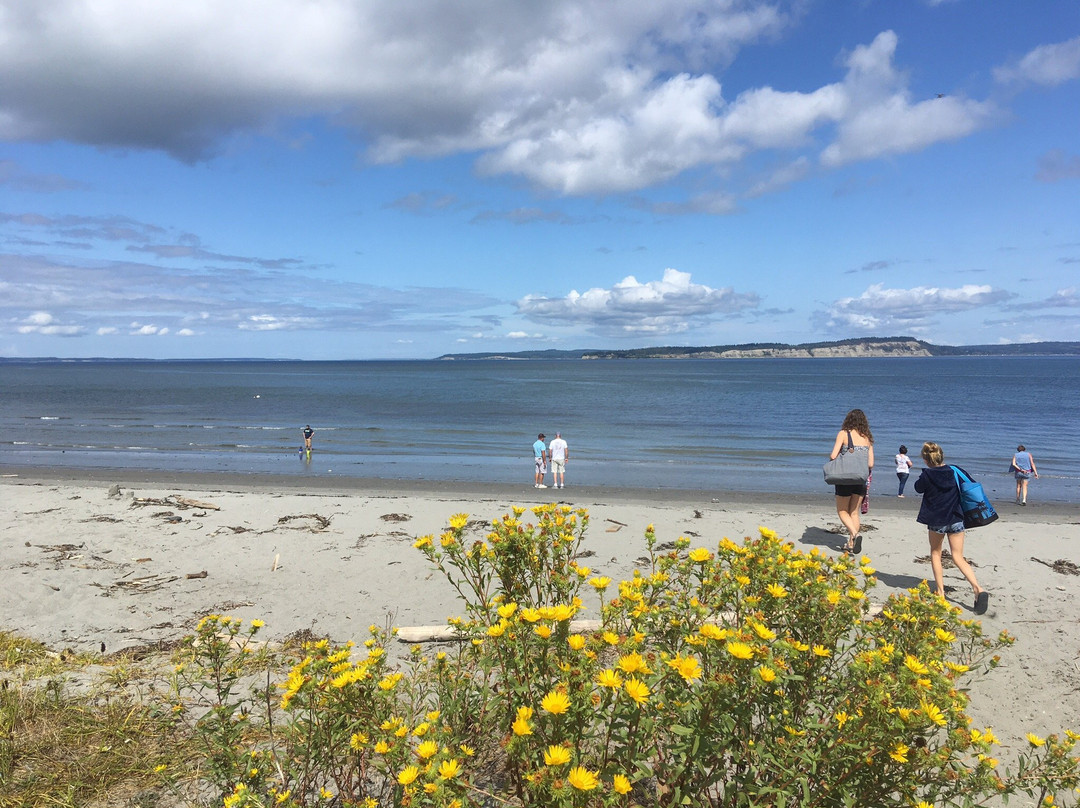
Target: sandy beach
[[83, 568]]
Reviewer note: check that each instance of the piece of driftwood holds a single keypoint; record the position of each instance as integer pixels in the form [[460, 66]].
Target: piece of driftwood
[[322, 521], [194, 503], [448, 633], [200, 574]]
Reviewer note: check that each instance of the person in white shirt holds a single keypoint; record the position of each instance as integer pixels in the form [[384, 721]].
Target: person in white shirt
[[903, 469], [559, 455]]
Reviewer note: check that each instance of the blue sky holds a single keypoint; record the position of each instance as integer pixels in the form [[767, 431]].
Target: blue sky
[[335, 179]]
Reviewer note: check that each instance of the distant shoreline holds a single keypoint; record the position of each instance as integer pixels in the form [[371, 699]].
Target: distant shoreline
[[868, 348]]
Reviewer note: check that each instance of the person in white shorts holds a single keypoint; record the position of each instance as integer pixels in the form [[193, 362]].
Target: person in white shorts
[[559, 453]]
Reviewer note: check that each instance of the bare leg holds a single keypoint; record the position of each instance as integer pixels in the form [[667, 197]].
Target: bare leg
[[847, 508], [1023, 490], [935, 561], [956, 549], [1019, 486]]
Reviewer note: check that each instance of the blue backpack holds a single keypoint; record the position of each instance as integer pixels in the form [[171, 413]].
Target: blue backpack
[[976, 506]]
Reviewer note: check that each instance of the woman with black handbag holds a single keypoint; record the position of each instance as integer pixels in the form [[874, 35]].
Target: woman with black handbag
[[855, 436]]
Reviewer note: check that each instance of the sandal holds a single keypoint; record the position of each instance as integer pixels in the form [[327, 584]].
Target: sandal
[[858, 544]]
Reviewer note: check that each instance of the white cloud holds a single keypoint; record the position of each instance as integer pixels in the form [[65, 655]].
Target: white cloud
[[879, 310], [631, 308], [883, 120], [185, 332], [577, 96], [1048, 65], [42, 322]]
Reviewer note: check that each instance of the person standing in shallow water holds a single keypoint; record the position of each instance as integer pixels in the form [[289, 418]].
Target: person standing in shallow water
[[308, 432], [903, 469], [943, 516], [849, 497], [1023, 469]]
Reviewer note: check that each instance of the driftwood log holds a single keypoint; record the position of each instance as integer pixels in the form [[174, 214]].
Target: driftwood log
[[448, 633]]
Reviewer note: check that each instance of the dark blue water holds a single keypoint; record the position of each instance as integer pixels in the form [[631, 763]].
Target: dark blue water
[[741, 425]]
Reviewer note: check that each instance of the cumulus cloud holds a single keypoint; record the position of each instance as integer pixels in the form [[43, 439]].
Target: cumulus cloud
[[1047, 65], [42, 322], [881, 310], [631, 308], [1061, 299], [578, 97], [882, 118]]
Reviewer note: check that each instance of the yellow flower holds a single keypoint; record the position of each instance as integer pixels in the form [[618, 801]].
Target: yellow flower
[[610, 637], [833, 597], [841, 718], [742, 580], [713, 632], [582, 779], [776, 591], [543, 630], [521, 726], [899, 754], [408, 774], [507, 610], [932, 712], [433, 715], [621, 784], [856, 594], [257, 624], [557, 756], [530, 615], [467, 750], [764, 632], [609, 678], [700, 555], [427, 750], [822, 651], [1035, 740], [740, 650], [576, 641], [449, 769], [600, 583], [382, 747], [556, 702], [422, 542], [390, 682], [767, 674], [913, 665], [498, 629], [687, 667], [632, 663], [358, 741], [637, 690], [459, 520]]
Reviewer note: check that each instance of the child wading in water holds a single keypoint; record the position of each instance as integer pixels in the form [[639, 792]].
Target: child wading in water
[[943, 516]]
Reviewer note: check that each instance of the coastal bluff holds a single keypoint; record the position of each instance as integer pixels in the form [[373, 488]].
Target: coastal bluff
[[855, 350]]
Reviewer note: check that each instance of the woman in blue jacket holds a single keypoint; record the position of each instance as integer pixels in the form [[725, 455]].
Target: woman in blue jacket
[[943, 516]]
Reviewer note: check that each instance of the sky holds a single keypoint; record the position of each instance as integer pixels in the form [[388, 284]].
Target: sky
[[340, 179]]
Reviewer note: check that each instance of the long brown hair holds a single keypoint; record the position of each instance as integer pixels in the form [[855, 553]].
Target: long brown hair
[[856, 420]]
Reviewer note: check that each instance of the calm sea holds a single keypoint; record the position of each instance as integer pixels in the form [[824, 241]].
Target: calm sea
[[734, 425]]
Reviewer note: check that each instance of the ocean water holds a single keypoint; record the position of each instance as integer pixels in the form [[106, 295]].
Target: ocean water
[[727, 425]]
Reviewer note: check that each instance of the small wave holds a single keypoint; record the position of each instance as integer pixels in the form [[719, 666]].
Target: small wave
[[49, 418]]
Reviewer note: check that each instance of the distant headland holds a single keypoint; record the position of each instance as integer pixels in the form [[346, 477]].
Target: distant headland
[[865, 347]]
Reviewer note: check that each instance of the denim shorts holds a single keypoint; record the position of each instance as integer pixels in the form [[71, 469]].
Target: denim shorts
[[955, 527]]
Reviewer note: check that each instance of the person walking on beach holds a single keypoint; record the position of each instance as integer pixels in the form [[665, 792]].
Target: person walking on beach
[[559, 453], [308, 432], [1023, 465], [943, 516], [849, 497], [540, 455], [903, 468]]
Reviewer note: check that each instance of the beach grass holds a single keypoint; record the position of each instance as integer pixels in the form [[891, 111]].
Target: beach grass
[[75, 732]]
